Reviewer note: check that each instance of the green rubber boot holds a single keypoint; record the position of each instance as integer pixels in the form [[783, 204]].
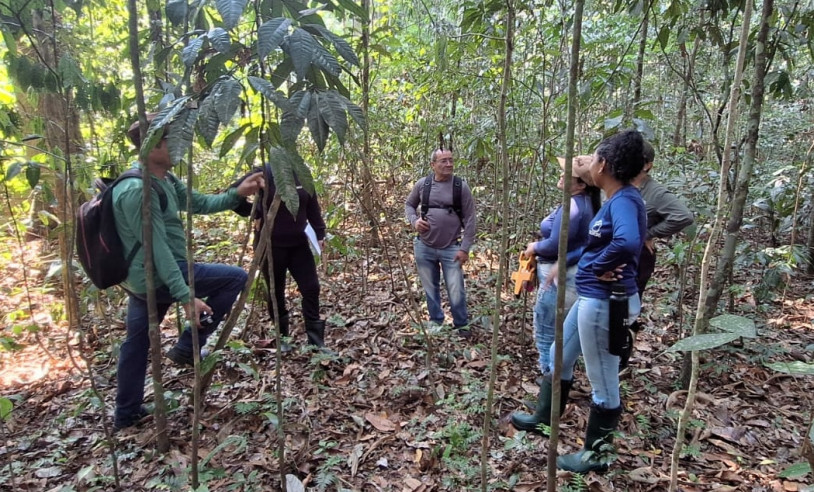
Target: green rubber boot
[[542, 413], [601, 424]]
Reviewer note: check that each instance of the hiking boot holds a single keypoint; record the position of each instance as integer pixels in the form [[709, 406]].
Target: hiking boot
[[464, 332], [121, 421], [542, 412], [184, 358], [598, 436]]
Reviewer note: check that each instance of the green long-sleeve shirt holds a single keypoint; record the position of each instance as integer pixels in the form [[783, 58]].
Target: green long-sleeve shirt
[[169, 241]]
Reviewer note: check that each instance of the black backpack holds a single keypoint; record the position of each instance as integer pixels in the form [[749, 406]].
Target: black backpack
[[457, 186], [98, 245]]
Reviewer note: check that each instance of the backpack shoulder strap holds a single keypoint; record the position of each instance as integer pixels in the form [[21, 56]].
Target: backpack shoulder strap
[[425, 195], [136, 173], [457, 189]]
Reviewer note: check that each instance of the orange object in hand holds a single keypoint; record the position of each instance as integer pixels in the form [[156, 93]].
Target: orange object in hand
[[524, 276]]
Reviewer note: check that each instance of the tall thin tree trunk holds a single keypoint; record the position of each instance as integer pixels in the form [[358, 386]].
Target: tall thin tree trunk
[[709, 296], [160, 413], [504, 240], [562, 248]]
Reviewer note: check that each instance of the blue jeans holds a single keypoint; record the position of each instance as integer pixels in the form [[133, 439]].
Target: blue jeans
[[586, 331], [219, 285], [430, 262], [545, 310]]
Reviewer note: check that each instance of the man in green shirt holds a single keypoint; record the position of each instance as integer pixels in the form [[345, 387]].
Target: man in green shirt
[[217, 283]]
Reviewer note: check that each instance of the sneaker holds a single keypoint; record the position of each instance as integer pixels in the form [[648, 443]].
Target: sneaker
[[120, 422], [464, 332], [183, 358]]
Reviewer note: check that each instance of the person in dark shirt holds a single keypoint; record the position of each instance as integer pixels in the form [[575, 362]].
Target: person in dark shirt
[[667, 215], [615, 238], [218, 284], [290, 252]]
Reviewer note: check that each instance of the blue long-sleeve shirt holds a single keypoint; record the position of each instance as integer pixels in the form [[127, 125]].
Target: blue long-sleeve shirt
[[580, 217], [615, 237]]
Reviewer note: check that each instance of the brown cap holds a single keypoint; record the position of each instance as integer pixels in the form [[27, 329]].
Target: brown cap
[[579, 167]]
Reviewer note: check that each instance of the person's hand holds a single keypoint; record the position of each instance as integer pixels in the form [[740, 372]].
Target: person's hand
[[650, 244], [551, 278], [421, 225], [613, 275], [529, 251], [321, 243], [461, 257], [200, 307], [251, 185]]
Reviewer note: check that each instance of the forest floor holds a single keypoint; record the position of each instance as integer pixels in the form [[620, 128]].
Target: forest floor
[[391, 412]]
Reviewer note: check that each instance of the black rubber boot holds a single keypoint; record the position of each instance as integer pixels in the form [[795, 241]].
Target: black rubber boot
[[542, 413], [315, 331], [601, 424]]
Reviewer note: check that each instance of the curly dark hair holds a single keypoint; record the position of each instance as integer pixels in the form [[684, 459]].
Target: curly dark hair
[[624, 154]]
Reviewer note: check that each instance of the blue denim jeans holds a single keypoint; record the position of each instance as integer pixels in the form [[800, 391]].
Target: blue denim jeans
[[545, 310], [586, 331], [430, 263], [219, 285]]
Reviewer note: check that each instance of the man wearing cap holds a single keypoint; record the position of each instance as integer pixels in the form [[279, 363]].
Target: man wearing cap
[[667, 215], [440, 245], [218, 284]]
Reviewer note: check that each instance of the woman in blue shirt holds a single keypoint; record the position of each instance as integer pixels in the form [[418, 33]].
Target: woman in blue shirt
[[615, 238], [585, 201]]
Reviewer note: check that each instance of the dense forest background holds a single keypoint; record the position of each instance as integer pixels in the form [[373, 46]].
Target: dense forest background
[[351, 98]]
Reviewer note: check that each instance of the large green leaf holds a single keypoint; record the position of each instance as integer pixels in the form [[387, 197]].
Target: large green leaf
[[317, 125], [176, 11], [301, 48], [283, 162], [6, 406], [797, 470], [32, 173], [226, 94], [304, 175], [13, 170], [796, 367], [208, 121], [354, 111], [190, 51], [290, 127], [304, 106], [181, 133], [731, 323], [271, 34], [342, 47], [219, 39], [703, 342], [265, 88], [230, 11], [160, 122], [332, 109], [325, 60], [230, 140]]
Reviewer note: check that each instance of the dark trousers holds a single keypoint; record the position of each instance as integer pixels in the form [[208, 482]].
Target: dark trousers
[[647, 264], [218, 284], [300, 262]]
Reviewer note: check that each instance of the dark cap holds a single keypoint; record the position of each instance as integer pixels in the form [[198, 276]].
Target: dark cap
[[134, 132]]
